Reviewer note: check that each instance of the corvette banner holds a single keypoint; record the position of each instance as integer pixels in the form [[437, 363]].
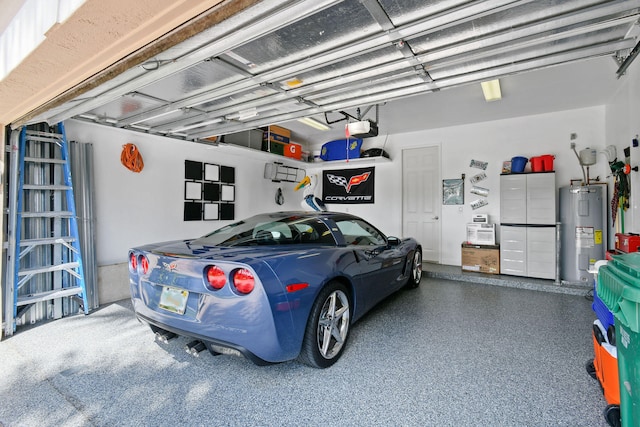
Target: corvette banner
[[348, 186]]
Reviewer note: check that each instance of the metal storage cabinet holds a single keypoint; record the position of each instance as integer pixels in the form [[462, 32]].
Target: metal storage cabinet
[[528, 214], [513, 199], [541, 252], [541, 199], [513, 250]]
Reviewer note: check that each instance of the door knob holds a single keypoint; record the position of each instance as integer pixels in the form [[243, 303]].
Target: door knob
[[435, 217]]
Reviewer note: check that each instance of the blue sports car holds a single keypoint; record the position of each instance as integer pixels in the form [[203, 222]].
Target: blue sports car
[[273, 287]]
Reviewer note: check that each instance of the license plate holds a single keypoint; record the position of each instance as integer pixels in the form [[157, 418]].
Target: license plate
[[173, 299]]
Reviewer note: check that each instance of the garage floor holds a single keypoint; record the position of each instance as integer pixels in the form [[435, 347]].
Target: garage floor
[[450, 353]]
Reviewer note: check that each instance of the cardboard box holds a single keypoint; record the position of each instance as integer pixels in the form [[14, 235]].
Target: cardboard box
[[481, 258], [276, 134], [279, 130], [274, 137]]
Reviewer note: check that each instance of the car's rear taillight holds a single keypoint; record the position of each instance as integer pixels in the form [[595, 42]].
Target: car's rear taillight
[[243, 281], [133, 262], [144, 264], [216, 278]]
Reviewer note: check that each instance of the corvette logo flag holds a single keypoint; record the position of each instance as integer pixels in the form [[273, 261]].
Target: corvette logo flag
[[348, 186]]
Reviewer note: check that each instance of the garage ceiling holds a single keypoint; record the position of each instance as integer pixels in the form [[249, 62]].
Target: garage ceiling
[[279, 61]]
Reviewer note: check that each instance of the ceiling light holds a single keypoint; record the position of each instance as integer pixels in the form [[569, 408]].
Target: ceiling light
[[314, 123], [195, 125], [491, 90]]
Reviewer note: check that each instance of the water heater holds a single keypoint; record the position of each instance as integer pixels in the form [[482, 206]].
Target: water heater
[[583, 232], [588, 157]]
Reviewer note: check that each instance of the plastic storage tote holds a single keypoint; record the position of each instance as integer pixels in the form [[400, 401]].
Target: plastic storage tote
[[619, 288], [341, 149], [605, 316], [600, 308]]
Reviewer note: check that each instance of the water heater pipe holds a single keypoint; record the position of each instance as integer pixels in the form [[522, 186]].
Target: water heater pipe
[[584, 176]]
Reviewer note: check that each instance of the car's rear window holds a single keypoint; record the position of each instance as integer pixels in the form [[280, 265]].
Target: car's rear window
[[263, 230]]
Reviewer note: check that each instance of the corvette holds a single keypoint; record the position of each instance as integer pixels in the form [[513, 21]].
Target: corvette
[[273, 287]]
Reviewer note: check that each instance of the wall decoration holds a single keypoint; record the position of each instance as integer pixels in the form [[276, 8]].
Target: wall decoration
[[478, 203], [453, 191], [479, 177], [480, 191], [211, 172], [479, 164], [209, 192], [348, 186]]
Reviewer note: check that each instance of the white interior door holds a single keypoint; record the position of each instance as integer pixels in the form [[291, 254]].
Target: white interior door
[[421, 201]]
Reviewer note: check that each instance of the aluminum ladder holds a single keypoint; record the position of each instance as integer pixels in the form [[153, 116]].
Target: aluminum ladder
[[44, 271]]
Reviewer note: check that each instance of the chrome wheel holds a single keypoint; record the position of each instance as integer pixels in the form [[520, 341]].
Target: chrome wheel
[[333, 324], [327, 329], [416, 270]]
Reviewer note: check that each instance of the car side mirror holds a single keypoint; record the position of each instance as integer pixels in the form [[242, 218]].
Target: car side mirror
[[393, 241]]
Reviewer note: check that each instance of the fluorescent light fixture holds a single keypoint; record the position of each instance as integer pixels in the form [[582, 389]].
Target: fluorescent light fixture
[[314, 123], [491, 90], [195, 125]]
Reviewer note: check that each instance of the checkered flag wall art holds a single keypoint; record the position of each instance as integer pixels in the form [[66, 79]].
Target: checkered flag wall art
[[209, 192]]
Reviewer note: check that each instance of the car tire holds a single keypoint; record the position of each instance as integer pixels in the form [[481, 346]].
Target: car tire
[[415, 272], [327, 329]]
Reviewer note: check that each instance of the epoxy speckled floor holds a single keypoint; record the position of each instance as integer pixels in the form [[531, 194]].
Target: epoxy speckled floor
[[450, 353]]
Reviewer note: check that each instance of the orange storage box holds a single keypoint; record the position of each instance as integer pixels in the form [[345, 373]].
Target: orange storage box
[[605, 363], [293, 150]]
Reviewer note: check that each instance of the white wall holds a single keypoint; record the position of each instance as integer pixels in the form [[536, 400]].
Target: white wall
[[134, 209], [622, 125], [138, 208], [492, 142]]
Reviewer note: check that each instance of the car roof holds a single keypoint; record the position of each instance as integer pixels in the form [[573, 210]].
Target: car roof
[[309, 214]]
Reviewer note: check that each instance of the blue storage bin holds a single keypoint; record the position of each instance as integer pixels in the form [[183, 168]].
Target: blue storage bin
[[518, 164], [341, 148], [604, 314]]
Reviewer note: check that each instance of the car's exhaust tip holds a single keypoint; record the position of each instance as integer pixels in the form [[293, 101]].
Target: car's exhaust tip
[[195, 347], [164, 336]]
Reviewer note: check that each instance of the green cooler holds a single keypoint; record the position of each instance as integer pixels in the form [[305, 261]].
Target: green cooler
[[619, 288]]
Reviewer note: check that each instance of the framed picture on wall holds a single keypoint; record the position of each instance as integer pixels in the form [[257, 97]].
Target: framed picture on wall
[[453, 191]]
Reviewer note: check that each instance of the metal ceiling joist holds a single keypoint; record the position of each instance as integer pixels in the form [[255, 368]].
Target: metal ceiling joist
[[241, 28], [385, 96], [248, 30], [456, 42], [511, 39]]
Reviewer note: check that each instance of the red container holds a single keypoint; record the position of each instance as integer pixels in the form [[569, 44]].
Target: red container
[[293, 150], [547, 161], [627, 242], [537, 164]]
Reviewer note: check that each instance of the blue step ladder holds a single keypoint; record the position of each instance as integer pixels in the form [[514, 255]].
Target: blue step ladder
[[44, 273]]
